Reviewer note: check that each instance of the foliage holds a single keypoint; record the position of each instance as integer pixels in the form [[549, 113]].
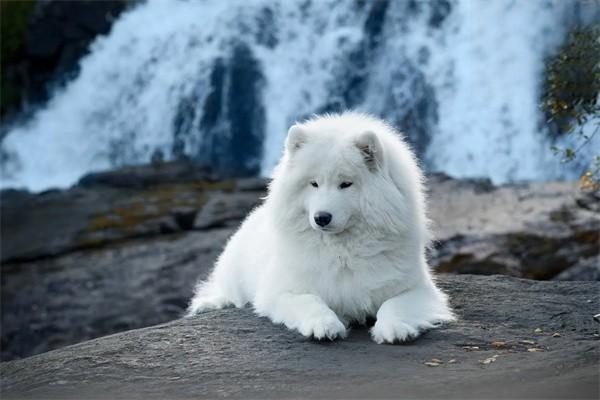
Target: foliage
[[14, 21], [15, 16], [571, 94]]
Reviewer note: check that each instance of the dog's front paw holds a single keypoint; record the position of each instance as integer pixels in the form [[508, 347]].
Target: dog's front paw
[[392, 331], [201, 304], [323, 326]]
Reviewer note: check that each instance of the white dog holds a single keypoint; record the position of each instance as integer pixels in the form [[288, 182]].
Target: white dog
[[340, 237]]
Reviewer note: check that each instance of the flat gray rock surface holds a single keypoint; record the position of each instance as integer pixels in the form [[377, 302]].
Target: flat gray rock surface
[[514, 339]]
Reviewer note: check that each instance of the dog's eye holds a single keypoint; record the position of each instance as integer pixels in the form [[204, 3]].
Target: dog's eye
[[345, 185], [314, 184]]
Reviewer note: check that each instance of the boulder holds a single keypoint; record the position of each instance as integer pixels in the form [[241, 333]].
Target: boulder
[[144, 176], [534, 230], [52, 302], [113, 206], [514, 339]]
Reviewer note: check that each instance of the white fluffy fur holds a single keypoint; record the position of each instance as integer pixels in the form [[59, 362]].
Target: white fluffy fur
[[369, 262]]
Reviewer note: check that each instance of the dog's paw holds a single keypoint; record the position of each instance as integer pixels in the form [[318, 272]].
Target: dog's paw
[[208, 303], [393, 331], [326, 326]]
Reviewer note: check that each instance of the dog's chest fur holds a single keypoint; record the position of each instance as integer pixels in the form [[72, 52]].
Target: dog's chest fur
[[355, 287]]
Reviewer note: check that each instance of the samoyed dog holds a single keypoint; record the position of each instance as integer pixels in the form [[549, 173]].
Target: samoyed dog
[[340, 237]]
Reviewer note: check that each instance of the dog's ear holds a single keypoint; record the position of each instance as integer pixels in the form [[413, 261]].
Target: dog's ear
[[371, 150], [296, 138]]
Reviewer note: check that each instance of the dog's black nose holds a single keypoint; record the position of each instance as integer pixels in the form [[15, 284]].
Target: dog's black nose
[[322, 218]]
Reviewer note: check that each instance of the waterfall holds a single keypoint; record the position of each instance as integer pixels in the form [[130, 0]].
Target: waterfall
[[220, 82]]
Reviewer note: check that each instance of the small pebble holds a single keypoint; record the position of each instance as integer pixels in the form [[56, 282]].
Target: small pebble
[[534, 350], [538, 330], [597, 317], [432, 364], [451, 361], [556, 334], [527, 341], [489, 360]]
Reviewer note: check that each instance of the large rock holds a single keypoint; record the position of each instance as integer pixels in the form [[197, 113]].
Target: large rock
[[532, 230], [514, 339], [54, 302], [113, 206]]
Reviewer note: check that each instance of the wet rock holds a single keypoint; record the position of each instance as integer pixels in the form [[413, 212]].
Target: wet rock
[[233, 119], [234, 353], [440, 10], [347, 89], [411, 105], [267, 34], [375, 22]]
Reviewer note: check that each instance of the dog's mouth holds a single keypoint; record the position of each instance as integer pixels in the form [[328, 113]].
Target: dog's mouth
[[327, 230]]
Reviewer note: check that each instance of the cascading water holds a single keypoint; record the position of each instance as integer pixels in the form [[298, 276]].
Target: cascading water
[[220, 82]]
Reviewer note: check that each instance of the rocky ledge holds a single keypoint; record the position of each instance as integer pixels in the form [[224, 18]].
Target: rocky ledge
[[123, 249], [514, 339]]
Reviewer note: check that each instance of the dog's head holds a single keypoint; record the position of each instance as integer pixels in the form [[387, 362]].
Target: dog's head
[[326, 180]]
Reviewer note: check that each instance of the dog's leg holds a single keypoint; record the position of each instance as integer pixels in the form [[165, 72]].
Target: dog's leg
[[306, 313], [201, 304], [405, 316], [207, 297]]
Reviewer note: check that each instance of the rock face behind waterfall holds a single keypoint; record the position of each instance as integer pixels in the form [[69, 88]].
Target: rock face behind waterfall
[[123, 249], [56, 35], [232, 123]]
